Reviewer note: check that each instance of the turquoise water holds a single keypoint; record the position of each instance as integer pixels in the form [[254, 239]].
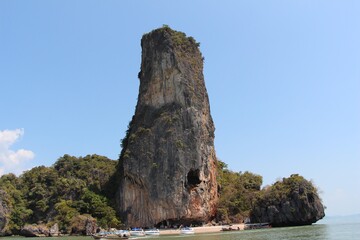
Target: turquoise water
[[328, 229]]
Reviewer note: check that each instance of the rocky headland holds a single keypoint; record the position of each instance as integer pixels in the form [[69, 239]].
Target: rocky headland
[[294, 201]]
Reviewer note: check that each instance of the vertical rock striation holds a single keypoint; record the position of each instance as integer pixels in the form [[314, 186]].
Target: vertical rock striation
[[167, 165]]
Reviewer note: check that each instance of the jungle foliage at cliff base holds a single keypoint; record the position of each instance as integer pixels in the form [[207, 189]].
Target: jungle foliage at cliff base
[[78, 188]]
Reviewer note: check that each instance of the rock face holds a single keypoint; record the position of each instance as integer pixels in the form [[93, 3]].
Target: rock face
[[168, 164], [83, 225], [291, 202], [35, 231], [54, 230]]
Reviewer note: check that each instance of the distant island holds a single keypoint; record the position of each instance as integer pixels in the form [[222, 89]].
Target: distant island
[[167, 173]]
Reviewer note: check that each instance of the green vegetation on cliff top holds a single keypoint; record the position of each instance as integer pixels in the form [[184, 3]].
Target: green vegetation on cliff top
[[179, 40]]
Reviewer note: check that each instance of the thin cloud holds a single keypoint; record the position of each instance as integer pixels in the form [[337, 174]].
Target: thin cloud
[[12, 160]]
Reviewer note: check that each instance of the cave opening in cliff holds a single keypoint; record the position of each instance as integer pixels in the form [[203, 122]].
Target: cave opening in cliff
[[193, 178]]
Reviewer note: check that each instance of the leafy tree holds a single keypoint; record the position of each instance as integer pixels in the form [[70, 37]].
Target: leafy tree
[[94, 170], [238, 192], [98, 207], [39, 189], [69, 188], [19, 213], [65, 214], [285, 189]]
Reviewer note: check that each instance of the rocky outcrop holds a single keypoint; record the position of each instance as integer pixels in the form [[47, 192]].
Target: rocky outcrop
[[41, 230], [167, 165], [294, 201], [4, 213], [83, 225], [54, 230], [35, 230]]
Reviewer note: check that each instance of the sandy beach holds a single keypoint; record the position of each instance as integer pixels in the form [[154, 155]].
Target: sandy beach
[[205, 229]]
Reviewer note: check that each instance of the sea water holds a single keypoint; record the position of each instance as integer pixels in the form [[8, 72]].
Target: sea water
[[335, 228]]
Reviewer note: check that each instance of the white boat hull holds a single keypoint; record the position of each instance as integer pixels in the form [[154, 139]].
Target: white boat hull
[[187, 231], [137, 233], [153, 232]]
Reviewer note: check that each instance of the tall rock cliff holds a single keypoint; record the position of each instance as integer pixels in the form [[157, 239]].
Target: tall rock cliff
[[167, 165]]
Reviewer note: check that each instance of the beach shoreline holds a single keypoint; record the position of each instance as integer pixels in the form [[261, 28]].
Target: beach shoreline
[[204, 229]]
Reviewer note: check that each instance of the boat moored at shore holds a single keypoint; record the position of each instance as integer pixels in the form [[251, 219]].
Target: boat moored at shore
[[249, 226], [152, 232], [137, 232], [119, 234], [187, 230], [230, 228]]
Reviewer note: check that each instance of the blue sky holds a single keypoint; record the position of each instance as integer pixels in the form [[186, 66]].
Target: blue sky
[[283, 79]]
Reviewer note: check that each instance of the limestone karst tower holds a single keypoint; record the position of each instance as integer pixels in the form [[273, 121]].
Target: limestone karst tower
[[168, 164]]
